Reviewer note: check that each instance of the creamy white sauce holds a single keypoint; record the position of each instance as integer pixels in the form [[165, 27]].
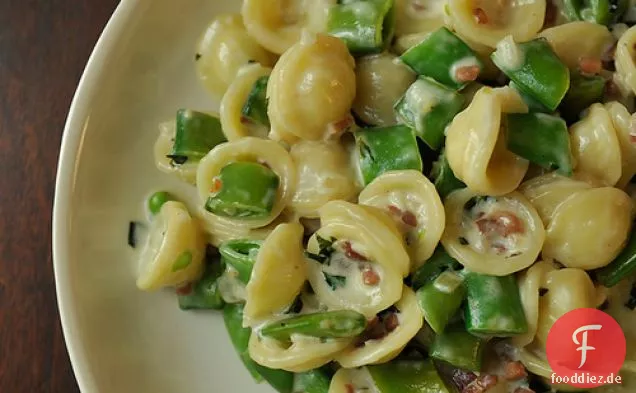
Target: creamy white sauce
[[354, 286], [494, 243], [231, 288], [508, 54]]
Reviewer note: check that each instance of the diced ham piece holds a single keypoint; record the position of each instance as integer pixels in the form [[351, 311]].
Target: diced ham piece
[[480, 16], [481, 384], [351, 253], [590, 65], [500, 223], [370, 277], [514, 371], [467, 73]]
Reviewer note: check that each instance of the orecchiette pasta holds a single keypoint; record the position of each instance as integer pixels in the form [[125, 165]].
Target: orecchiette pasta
[[304, 353], [595, 148], [220, 230], [315, 73], [567, 289], [267, 292], [530, 282], [277, 24], [224, 48], [417, 16], [381, 81], [174, 250], [374, 351], [252, 150], [324, 174], [234, 127], [624, 60], [589, 229], [623, 125], [411, 199], [476, 146], [495, 20], [547, 192], [492, 235], [365, 261], [567, 43]]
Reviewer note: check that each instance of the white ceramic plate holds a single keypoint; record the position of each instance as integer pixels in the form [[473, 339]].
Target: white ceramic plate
[[121, 340]]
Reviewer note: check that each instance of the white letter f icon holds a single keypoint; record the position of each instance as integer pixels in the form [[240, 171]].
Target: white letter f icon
[[583, 345]]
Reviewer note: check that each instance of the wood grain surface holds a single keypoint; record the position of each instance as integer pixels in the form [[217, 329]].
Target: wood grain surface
[[44, 45]]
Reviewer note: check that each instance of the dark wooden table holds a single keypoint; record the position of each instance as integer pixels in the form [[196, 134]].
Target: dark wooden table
[[44, 45]]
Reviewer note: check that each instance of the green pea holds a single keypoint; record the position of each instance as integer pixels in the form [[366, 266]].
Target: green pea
[[157, 200]]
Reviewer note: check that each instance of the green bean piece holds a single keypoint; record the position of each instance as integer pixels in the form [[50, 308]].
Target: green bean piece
[[535, 69], [408, 376], [493, 306], [603, 12], [438, 263], [366, 26], [329, 324], [197, 133], [443, 177], [444, 57], [157, 200], [623, 266], [428, 107], [440, 300], [281, 380], [241, 255], [313, 381], [541, 139], [459, 348], [204, 294], [583, 92], [255, 108], [385, 149], [533, 104], [246, 190]]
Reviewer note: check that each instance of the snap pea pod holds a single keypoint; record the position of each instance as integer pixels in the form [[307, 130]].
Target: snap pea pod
[[440, 300], [387, 148], [459, 348], [444, 57], [241, 255], [314, 381], [281, 380], [533, 104], [366, 26], [329, 324], [204, 294], [197, 133], [493, 306], [407, 376], [157, 200], [443, 177], [244, 190], [603, 12], [438, 263], [255, 107], [535, 69], [623, 266], [428, 107], [541, 139], [583, 92]]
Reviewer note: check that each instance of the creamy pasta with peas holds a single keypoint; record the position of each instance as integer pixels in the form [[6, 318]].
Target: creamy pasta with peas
[[404, 195]]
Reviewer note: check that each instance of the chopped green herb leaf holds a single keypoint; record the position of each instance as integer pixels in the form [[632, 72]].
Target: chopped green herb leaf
[[184, 260], [317, 257], [197, 57], [334, 281], [463, 241]]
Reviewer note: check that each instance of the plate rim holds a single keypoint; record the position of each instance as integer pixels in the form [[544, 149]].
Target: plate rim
[[67, 167]]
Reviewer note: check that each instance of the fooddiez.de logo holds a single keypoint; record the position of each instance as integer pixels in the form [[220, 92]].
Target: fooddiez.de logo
[[586, 349]]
